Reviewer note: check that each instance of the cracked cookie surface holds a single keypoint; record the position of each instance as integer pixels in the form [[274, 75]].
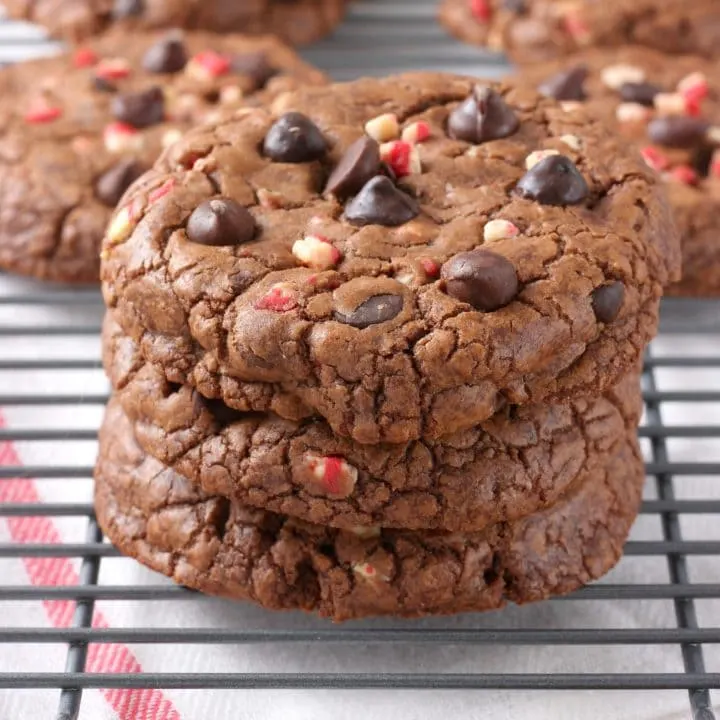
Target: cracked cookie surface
[[514, 464], [670, 107], [501, 251], [220, 547], [536, 30], [77, 129], [295, 21]]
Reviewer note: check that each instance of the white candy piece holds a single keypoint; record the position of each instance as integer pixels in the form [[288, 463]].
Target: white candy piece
[[170, 137], [499, 230], [366, 532], [629, 112], [615, 76], [120, 226], [119, 139], [368, 571], [572, 141], [670, 104], [316, 252], [713, 135], [535, 157], [383, 127]]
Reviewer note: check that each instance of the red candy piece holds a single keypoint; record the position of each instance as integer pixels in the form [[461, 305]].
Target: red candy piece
[[654, 158], [84, 57], [212, 62], [684, 174], [43, 114], [576, 27], [481, 9], [431, 268], [161, 191], [113, 69], [278, 299], [398, 154]]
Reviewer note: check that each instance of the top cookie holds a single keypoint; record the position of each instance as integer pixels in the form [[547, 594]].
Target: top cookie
[[76, 130], [403, 255], [531, 30], [295, 21]]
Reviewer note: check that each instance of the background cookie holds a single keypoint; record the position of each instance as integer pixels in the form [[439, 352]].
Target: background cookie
[[670, 107], [76, 130], [219, 547], [296, 21], [404, 289], [532, 30], [515, 463]]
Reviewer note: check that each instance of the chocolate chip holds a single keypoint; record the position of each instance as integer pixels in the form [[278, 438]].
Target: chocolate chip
[[128, 8], [553, 181], [381, 202], [642, 93], [140, 109], [165, 56], [482, 278], [294, 138], [103, 84], [375, 310], [678, 131], [607, 301], [255, 66], [220, 221], [359, 163], [111, 185], [566, 85], [483, 116]]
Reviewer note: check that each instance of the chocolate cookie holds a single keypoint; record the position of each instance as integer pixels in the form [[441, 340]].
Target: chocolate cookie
[[670, 107], [538, 30], [76, 130], [519, 461], [295, 21], [404, 256], [211, 544]]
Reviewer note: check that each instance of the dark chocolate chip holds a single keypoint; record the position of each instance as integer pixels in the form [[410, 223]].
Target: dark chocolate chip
[[642, 93], [255, 66], [294, 138], [483, 116], [381, 202], [482, 278], [111, 185], [375, 310], [103, 84], [678, 131], [607, 301], [519, 7], [566, 85], [140, 109], [220, 221], [128, 8], [553, 181], [359, 163], [168, 55]]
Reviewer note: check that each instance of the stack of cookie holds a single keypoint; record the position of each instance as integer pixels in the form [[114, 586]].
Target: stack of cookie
[[648, 69], [375, 349]]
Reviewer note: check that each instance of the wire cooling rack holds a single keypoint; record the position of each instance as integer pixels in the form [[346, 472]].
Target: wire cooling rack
[[662, 599]]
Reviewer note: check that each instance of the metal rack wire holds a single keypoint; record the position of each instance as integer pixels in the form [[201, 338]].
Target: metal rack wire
[[49, 361]]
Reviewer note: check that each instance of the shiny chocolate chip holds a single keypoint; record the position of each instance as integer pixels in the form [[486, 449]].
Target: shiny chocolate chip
[[607, 301], [375, 310], [566, 85], [481, 278], [555, 180], [168, 55], [256, 67], [642, 93], [111, 185], [294, 138], [678, 131], [359, 163], [381, 202], [128, 8], [483, 116], [140, 109], [220, 221]]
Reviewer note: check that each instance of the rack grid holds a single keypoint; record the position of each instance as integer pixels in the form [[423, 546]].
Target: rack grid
[[49, 364]]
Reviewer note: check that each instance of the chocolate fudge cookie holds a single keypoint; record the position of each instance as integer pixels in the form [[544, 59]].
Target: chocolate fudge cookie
[[295, 21], [405, 256], [533, 30], [76, 130], [220, 547], [670, 107], [519, 461]]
